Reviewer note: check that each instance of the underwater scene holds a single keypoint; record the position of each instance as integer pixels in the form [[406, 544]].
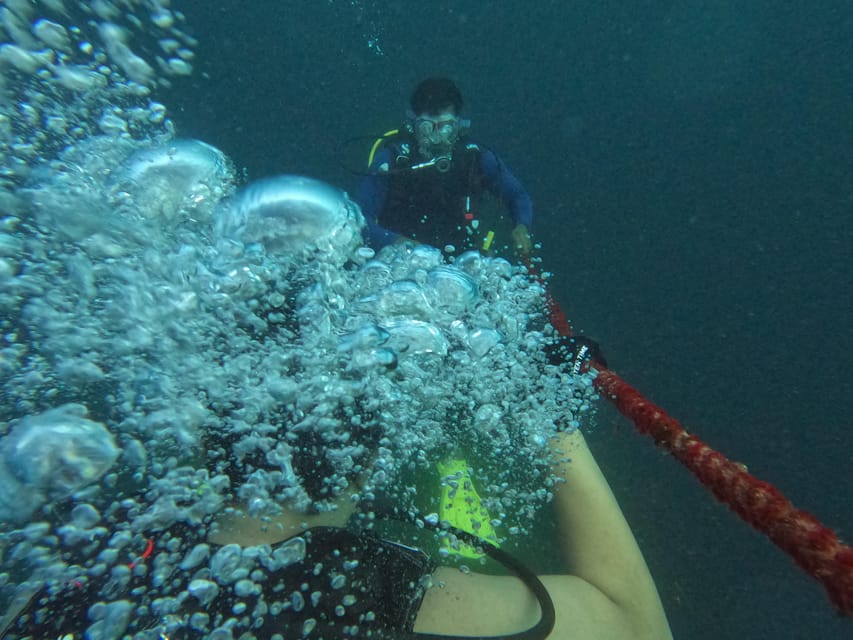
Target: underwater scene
[[201, 357]]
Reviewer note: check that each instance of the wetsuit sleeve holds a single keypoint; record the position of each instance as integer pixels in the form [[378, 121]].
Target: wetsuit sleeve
[[371, 196], [503, 184]]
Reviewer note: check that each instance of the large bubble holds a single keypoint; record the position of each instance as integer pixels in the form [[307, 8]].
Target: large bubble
[[50, 456], [183, 179], [292, 215]]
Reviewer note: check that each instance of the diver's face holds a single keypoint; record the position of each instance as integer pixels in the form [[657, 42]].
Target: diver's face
[[437, 133]]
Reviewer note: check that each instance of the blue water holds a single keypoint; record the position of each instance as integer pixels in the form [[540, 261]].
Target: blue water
[[690, 166]]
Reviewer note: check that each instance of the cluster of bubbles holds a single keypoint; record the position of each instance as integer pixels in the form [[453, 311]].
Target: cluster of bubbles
[[174, 347], [70, 70]]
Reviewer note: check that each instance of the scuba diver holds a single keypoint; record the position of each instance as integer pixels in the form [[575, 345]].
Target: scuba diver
[[427, 182], [184, 569], [608, 591], [321, 575]]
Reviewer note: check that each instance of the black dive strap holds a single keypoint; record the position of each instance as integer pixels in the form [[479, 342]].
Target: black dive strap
[[539, 631]]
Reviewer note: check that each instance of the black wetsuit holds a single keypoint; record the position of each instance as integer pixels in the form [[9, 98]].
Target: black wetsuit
[[433, 206], [346, 583]]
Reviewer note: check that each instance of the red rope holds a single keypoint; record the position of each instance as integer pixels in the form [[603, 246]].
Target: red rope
[[814, 547], [556, 315]]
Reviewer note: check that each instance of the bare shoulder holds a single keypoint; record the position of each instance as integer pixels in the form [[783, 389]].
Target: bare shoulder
[[477, 604]]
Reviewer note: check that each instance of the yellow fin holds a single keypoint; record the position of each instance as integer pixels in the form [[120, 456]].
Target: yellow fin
[[461, 507]]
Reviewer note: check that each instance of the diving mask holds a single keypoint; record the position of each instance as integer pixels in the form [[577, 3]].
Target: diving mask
[[436, 137], [440, 130]]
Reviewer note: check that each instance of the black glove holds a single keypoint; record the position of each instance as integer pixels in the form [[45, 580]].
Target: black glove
[[578, 352]]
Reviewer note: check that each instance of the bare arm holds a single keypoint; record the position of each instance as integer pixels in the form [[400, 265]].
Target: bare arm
[[600, 547], [608, 594]]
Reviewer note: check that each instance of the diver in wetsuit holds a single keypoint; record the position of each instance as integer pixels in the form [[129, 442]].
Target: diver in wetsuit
[[334, 581], [426, 183], [330, 578]]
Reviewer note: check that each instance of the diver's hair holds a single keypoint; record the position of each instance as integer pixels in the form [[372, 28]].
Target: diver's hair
[[435, 94]]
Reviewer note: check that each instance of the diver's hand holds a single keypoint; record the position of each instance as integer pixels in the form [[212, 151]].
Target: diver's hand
[[579, 352], [521, 241]]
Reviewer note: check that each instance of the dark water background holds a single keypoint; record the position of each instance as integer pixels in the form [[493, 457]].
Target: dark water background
[[691, 165]]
